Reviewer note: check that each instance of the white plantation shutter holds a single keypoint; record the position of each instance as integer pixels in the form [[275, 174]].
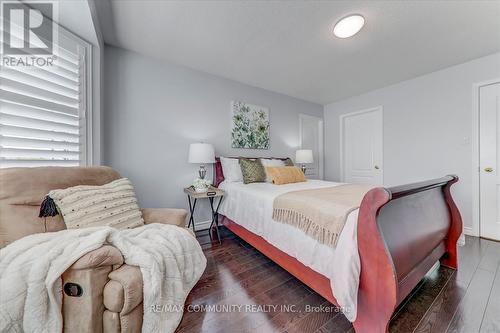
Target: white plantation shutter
[[43, 109]]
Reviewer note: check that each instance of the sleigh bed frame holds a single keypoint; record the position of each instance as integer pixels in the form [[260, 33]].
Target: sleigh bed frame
[[402, 232]]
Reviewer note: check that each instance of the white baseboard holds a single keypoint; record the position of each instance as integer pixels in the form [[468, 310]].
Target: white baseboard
[[202, 225], [469, 231]]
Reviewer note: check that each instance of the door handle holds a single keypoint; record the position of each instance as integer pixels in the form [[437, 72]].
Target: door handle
[[488, 169], [377, 167]]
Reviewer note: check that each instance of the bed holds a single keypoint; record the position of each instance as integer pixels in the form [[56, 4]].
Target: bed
[[384, 250]]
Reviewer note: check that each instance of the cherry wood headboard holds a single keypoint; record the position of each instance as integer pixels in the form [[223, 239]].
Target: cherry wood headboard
[[219, 174]]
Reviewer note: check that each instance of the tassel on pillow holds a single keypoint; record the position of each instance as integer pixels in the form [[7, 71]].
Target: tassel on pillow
[[48, 208]]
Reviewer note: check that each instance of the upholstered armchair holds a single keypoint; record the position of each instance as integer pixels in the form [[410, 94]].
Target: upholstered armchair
[[100, 292]]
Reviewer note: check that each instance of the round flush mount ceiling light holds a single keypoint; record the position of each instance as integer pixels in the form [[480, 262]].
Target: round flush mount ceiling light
[[348, 26]]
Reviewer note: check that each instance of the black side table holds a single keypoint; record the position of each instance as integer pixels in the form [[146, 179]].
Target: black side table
[[211, 194]]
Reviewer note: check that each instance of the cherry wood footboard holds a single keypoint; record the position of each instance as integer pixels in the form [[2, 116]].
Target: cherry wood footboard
[[402, 232]]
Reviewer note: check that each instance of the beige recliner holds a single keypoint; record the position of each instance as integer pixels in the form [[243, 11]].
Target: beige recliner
[[100, 292]]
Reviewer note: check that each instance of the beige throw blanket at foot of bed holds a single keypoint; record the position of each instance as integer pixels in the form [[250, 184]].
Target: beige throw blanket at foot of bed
[[320, 213], [170, 259]]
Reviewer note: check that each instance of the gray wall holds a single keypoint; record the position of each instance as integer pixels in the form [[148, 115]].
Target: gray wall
[[154, 110], [427, 127]]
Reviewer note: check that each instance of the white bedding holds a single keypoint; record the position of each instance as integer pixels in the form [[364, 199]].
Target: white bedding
[[251, 206]]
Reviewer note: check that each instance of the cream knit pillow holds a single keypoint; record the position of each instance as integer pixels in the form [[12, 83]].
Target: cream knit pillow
[[113, 204]]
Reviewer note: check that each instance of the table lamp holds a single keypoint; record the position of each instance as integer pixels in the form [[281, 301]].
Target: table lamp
[[304, 156], [201, 153]]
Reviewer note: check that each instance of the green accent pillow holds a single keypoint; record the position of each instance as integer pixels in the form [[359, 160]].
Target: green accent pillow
[[252, 170], [289, 162]]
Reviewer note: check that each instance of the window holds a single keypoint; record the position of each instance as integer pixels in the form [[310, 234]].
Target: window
[[43, 110]]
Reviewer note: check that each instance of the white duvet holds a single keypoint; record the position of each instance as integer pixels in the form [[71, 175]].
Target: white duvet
[[251, 206]]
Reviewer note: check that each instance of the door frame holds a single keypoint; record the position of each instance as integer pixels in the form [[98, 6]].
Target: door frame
[[475, 230], [341, 136], [321, 138]]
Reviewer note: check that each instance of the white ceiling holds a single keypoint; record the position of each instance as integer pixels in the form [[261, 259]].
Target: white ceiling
[[288, 47]]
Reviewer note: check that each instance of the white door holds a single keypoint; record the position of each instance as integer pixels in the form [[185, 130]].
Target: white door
[[489, 155], [361, 138], [311, 137]]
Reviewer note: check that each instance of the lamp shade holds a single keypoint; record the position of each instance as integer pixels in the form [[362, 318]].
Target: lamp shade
[[201, 153], [304, 156]]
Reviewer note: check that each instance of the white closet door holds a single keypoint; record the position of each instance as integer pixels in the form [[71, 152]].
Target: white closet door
[[361, 147], [489, 123]]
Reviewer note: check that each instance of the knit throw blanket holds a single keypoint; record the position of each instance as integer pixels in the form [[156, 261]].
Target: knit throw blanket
[[320, 213], [170, 259]]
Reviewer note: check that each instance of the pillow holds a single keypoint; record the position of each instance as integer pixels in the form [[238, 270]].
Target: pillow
[[271, 162], [252, 170], [289, 162], [113, 204], [286, 175], [231, 169]]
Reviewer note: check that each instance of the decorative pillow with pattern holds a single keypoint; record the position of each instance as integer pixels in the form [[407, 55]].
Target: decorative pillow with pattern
[[113, 204], [252, 170]]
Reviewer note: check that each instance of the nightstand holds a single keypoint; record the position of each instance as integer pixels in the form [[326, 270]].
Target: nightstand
[[211, 194]]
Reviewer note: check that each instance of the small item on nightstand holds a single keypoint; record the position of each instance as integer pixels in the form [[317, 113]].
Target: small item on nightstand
[[201, 185]]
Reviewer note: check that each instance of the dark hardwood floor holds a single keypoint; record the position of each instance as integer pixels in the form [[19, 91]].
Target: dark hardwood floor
[[467, 300]]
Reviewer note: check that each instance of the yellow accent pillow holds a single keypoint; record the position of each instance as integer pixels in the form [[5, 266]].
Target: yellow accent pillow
[[285, 175]]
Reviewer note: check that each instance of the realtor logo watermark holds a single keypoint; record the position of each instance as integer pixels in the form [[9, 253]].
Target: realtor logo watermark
[[250, 308], [29, 35]]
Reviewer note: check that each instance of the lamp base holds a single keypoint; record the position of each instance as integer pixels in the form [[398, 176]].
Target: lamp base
[[202, 172], [303, 167]]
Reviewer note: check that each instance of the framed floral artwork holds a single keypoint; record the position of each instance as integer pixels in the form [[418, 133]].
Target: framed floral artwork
[[250, 126]]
